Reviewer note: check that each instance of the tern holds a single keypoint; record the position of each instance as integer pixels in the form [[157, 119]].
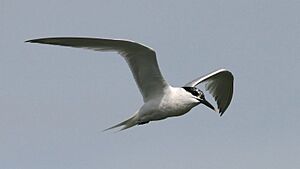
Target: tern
[[161, 100]]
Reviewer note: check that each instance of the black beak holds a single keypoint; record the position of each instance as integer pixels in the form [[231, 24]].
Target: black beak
[[206, 103]]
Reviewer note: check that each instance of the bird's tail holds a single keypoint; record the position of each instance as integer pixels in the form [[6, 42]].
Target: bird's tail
[[132, 121]]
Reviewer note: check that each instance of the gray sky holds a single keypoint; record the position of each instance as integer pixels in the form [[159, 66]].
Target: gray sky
[[54, 101]]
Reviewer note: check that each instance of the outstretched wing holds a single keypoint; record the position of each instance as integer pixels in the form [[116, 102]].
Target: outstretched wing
[[141, 59], [220, 86]]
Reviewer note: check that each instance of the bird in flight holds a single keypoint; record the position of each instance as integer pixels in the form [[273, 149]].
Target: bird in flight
[[160, 99]]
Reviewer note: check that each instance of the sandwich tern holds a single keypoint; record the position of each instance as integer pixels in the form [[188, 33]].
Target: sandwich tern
[[160, 99]]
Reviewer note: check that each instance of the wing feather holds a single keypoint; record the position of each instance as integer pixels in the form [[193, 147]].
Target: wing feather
[[140, 58], [220, 85]]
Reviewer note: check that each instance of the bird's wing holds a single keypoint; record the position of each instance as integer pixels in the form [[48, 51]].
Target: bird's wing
[[141, 59], [220, 85]]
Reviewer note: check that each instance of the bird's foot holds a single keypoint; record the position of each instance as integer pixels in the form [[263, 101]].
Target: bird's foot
[[143, 122]]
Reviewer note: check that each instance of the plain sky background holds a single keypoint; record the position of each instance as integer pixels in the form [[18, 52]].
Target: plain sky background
[[55, 101]]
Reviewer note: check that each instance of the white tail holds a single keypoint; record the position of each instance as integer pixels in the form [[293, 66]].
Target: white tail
[[132, 121]]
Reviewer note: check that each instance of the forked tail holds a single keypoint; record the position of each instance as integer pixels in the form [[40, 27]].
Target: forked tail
[[132, 121]]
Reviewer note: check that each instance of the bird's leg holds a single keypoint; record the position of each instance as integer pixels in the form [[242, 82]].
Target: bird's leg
[[144, 122]]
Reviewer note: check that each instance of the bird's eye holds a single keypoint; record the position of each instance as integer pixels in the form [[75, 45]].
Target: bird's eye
[[196, 93]]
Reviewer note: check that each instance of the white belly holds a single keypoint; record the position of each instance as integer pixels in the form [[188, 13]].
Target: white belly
[[168, 106]]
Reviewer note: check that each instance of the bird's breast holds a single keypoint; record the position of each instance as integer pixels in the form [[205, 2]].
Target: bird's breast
[[174, 102], [174, 108], [164, 108]]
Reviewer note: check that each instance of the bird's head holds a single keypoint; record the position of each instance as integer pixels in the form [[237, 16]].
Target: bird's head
[[199, 96]]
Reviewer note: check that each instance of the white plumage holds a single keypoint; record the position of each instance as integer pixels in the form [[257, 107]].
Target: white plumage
[[160, 99]]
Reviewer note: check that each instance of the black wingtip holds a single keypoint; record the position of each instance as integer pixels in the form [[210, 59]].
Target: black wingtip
[[29, 41], [39, 40], [221, 113]]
